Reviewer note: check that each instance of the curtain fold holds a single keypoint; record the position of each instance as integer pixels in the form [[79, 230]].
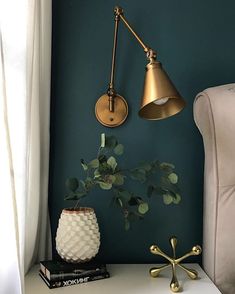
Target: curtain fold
[[9, 226], [25, 61], [38, 98]]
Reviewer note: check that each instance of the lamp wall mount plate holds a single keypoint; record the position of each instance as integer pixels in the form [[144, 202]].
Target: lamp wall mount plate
[[109, 118], [160, 97]]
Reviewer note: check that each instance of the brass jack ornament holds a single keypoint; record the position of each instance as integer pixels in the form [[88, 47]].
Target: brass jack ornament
[[174, 262]]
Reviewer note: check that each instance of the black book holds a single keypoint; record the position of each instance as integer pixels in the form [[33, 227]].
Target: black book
[[75, 281], [56, 270]]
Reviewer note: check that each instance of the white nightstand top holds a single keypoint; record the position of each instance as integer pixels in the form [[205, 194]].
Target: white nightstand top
[[127, 279]]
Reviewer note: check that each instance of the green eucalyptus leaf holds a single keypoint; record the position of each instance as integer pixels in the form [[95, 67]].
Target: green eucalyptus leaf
[[94, 163], [167, 199], [143, 207], [102, 158], [105, 186], [156, 163], [167, 165], [173, 178], [72, 184], [119, 149], [125, 195], [119, 180], [83, 184], [89, 183], [119, 201], [97, 174], [177, 199], [166, 185], [102, 143], [110, 179], [105, 168], [84, 165], [112, 162]]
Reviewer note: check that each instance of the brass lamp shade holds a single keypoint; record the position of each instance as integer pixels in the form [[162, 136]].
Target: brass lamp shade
[[160, 97]]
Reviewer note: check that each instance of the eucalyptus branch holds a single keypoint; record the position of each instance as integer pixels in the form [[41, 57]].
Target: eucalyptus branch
[[104, 172]]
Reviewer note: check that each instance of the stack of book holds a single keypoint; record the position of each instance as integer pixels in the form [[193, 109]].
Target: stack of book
[[61, 274]]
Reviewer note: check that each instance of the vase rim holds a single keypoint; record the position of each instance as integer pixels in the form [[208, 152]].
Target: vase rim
[[79, 210]]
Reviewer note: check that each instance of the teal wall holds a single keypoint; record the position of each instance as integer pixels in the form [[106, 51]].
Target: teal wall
[[196, 44]]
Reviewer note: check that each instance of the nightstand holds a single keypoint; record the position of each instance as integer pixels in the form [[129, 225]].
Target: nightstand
[[127, 279]]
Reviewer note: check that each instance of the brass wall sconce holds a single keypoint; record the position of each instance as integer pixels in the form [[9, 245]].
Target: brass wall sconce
[[160, 97], [174, 262]]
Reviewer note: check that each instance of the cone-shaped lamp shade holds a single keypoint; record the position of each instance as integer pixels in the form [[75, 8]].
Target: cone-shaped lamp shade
[[160, 97]]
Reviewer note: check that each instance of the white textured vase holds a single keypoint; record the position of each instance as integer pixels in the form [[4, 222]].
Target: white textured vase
[[77, 236]]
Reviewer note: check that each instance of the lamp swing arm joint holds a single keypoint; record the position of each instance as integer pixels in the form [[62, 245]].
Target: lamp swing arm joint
[[150, 53]]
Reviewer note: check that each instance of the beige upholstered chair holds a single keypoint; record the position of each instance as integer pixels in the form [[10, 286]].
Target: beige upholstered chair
[[214, 114]]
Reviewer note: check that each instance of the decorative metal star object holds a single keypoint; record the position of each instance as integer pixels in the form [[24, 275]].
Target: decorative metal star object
[[174, 262]]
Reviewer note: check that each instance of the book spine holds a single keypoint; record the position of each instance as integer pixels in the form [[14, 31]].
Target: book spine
[[76, 270], [70, 282], [67, 276]]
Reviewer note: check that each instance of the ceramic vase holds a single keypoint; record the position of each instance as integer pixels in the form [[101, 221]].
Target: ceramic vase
[[77, 236]]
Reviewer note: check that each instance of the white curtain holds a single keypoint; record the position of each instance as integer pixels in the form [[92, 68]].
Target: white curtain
[[25, 59]]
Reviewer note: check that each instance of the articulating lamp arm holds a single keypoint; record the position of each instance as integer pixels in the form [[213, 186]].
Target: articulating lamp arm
[[151, 54]]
